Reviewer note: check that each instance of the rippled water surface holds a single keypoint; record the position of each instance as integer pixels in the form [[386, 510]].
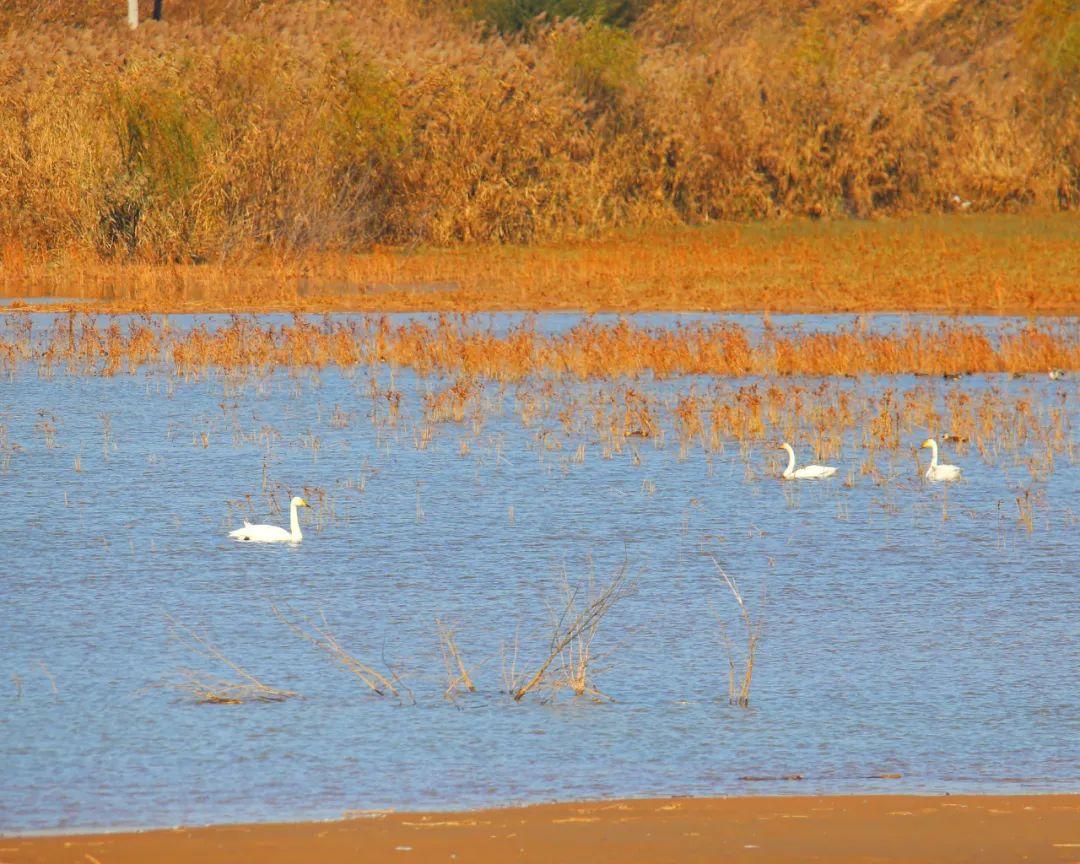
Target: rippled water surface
[[907, 630]]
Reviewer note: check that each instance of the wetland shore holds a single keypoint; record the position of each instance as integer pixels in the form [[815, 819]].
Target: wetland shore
[[989, 264], [840, 829]]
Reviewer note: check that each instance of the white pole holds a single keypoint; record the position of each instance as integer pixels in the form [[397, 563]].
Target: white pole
[[133, 14]]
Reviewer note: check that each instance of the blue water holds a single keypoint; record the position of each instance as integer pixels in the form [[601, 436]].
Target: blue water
[[894, 641]]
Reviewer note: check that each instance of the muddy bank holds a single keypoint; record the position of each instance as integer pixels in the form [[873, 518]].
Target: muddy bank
[[982, 829]]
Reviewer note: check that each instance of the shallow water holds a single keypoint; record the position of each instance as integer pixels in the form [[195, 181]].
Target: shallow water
[[557, 322], [894, 642]]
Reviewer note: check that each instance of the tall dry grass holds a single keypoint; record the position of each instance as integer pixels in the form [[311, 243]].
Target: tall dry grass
[[294, 126]]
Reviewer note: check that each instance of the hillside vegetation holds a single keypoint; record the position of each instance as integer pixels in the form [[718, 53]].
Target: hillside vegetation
[[232, 127]]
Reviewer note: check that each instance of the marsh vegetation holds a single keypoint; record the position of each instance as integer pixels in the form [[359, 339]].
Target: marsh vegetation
[[483, 493], [543, 555]]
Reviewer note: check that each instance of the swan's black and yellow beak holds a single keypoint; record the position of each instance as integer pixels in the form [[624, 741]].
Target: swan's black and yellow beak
[[304, 503]]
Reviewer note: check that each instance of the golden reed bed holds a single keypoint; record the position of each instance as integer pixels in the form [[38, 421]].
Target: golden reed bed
[[454, 345], [960, 264], [470, 371]]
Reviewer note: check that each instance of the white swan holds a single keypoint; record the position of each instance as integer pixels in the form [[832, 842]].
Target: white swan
[[271, 533], [810, 472], [935, 471]]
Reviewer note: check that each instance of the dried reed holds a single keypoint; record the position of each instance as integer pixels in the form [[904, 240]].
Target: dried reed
[[85, 344], [574, 625], [997, 265], [739, 685], [293, 126], [457, 673], [320, 635], [211, 689]]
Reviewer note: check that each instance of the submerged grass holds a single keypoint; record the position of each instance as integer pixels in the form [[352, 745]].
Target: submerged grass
[[318, 633], [594, 389]]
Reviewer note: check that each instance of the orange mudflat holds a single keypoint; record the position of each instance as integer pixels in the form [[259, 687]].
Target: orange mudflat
[[879, 829]]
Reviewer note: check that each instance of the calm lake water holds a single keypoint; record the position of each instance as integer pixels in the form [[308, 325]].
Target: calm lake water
[[894, 641]]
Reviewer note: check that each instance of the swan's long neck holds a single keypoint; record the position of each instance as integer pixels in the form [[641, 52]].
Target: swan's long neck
[[790, 460], [294, 525], [933, 454]]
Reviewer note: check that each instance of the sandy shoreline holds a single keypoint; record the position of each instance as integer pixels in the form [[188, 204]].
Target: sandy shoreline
[[873, 828]]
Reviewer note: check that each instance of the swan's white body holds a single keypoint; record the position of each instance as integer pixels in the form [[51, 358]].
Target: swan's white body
[[939, 472], [809, 472], [272, 533]]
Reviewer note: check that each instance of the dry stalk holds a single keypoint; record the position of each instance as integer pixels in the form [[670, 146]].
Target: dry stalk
[[574, 627], [739, 691], [212, 689], [457, 673], [322, 638], [511, 679]]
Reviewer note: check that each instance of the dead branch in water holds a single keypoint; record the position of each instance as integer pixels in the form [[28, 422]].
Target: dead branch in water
[[212, 689], [322, 638], [574, 626], [739, 695], [456, 672]]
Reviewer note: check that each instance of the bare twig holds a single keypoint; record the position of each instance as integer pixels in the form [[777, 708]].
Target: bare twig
[[49, 675], [322, 638], [574, 627], [511, 680], [212, 689], [397, 678], [740, 694], [456, 672]]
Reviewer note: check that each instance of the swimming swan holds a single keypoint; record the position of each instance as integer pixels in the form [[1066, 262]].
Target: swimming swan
[[935, 471], [271, 533], [810, 472]]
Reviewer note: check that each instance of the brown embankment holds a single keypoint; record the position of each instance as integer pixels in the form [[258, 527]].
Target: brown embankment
[[886, 828]]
